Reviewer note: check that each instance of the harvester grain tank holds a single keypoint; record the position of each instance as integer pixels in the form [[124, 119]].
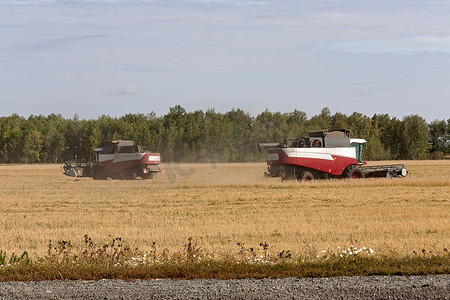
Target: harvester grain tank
[[118, 160], [323, 155]]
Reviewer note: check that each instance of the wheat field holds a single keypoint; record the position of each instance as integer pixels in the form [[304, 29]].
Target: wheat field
[[220, 205]]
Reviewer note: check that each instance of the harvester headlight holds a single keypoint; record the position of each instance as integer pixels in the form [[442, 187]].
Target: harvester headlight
[[404, 172]]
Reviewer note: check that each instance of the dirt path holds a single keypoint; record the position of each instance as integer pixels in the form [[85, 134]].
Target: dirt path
[[373, 287]]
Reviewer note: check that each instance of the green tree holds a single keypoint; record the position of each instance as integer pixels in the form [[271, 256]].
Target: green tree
[[296, 123], [321, 121], [217, 143], [375, 148], [194, 136], [439, 136], [90, 138], [239, 126], [415, 138], [360, 125], [54, 143], [110, 128], [31, 147], [72, 139], [270, 127], [339, 121], [12, 139], [210, 136], [384, 124], [173, 128]]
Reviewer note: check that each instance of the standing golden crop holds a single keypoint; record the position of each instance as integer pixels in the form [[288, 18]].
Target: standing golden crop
[[222, 205]]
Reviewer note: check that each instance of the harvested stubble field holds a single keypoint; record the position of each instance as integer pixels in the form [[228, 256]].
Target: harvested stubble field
[[220, 205]]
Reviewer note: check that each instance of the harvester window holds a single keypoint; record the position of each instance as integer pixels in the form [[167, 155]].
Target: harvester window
[[359, 151], [128, 149], [107, 150]]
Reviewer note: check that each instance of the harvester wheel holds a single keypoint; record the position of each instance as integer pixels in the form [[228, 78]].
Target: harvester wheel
[[100, 174], [306, 176], [355, 173], [147, 176], [326, 175], [130, 175]]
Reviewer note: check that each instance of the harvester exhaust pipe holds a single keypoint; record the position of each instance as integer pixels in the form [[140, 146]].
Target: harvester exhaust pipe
[[264, 146]]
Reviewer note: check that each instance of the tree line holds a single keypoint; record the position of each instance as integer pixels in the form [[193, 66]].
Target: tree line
[[209, 136]]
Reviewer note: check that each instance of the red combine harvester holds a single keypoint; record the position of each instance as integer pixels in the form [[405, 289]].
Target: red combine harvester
[[324, 155], [118, 160]]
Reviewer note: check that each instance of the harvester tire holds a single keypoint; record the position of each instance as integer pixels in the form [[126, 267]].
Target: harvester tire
[[100, 174], [326, 175], [306, 176], [355, 173], [129, 175], [147, 176]]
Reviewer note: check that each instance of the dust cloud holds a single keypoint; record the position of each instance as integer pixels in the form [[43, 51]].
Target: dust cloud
[[214, 173]]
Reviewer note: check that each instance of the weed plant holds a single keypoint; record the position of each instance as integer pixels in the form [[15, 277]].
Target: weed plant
[[91, 261]]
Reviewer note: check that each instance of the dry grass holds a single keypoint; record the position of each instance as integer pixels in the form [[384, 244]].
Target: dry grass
[[223, 204]]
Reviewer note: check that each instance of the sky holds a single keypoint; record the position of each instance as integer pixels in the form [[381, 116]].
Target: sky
[[113, 57]]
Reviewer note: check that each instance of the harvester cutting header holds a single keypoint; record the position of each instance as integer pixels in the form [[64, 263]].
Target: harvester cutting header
[[323, 155], [118, 160]]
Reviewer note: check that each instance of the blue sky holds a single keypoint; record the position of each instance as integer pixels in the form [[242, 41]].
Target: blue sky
[[114, 57]]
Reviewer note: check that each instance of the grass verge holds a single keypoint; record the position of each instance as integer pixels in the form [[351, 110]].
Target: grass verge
[[116, 260]]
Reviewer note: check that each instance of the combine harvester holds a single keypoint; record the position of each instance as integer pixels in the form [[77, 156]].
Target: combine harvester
[[117, 160], [324, 155]]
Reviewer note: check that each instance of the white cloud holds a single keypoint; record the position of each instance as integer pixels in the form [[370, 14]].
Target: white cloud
[[204, 2], [230, 2], [251, 54], [408, 45], [126, 90]]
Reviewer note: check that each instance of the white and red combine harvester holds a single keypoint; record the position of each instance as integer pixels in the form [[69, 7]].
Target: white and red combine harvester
[[118, 160], [323, 155]]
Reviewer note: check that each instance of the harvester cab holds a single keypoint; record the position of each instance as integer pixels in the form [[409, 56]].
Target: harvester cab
[[359, 145], [338, 138]]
